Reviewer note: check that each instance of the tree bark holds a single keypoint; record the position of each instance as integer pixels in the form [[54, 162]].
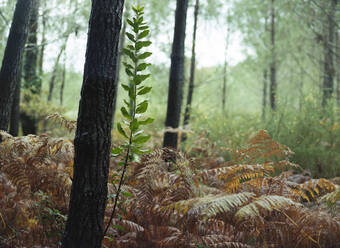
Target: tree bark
[[32, 82], [10, 72], [176, 79], [264, 100], [192, 73], [273, 83], [337, 61], [15, 113], [328, 80], [92, 141], [43, 42]]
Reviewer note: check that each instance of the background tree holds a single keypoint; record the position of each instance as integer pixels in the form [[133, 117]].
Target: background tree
[[176, 76], [10, 72], [92, 142]]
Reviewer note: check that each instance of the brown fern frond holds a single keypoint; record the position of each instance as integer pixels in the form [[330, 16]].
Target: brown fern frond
[[331, 198], [16, 173], [317, 187], [70, 125], [263, 206]]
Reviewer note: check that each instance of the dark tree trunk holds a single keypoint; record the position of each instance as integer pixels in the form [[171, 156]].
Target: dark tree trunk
[[264, 100], [119, 59], [328, 80], [337, 61], [63, 80], [273, 83], [92, 141], [10, 72], [32, 82], [175, 94], [15, 113], [192, 73], [55, 72]]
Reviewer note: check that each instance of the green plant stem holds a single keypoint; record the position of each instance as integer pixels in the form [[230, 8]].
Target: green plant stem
[[121, 181]]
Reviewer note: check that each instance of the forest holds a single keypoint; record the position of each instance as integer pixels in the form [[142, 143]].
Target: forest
[[170, 123]]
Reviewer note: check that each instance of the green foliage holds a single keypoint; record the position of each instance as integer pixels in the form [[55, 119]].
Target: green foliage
[[134, 108]]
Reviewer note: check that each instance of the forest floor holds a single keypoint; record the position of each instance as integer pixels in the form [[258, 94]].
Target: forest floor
[[256, 199]]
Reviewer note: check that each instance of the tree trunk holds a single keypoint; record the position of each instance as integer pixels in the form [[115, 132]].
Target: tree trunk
[[119, 62], [192, 73], [43, 42], [92, 141], [328, 80], [337, 61], [63, 80], [15, 113], [55, 71], [176, 76], [264, 100], [32, 82], [225, 70], [273, 83], [10, 72]]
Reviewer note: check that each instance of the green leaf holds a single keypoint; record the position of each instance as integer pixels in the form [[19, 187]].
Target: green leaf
[[144, 55], [134, 125], [125, 113], [140, 151], [142, 107], [116, 151], [144, 27], [142, 66], [121, 130], [141, 139], [130, 23], [130, 36], [127, 103], [127, 65], [140, 44], [146, 122], [129, 72], [144, 91], [118, 227], [126, 194], [126, 87], [130, 54], [140, 78], [143, 34]]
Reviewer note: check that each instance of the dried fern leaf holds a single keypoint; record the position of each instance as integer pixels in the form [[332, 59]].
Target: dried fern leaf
[[263, 206]]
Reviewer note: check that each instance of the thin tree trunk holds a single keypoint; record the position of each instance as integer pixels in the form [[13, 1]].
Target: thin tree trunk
[[43, 42], [15, 113], [84, 227], [328, 80], [337, 61], [264, 100], [63, 80], [301, 96], [10, 72], [176, 79], [55, 71], [273, 83], [32, 82], [192, 73], [225, 70]]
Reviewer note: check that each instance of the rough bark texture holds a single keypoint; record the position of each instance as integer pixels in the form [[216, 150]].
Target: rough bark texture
[[337, 61], [273, 83], [32, 81], [92, 141], [192, 72], [328, 80], [176, 75], [12, 60], [15, 113]]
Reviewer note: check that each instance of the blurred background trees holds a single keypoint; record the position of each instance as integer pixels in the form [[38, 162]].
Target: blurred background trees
[[270, 64]]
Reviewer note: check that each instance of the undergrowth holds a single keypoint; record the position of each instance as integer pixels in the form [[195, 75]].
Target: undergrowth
[[173, 199]]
